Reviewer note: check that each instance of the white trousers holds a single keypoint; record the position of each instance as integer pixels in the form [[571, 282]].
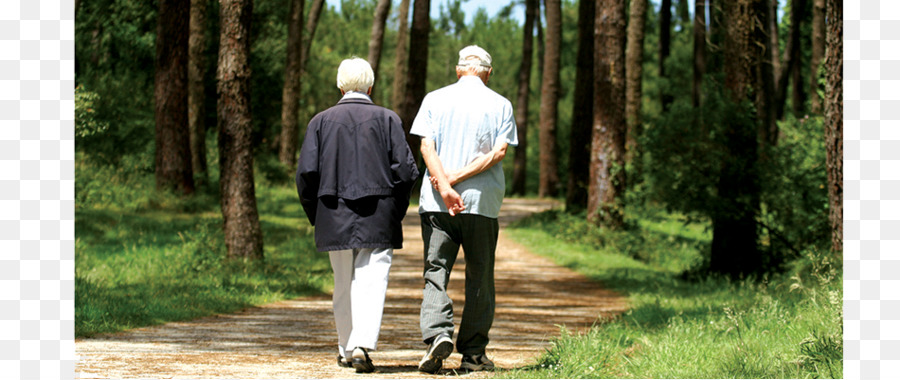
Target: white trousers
[[360, 283]]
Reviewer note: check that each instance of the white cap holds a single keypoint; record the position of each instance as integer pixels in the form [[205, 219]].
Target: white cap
[[474, 55]]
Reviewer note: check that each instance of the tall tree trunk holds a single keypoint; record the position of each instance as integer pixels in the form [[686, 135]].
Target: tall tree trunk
[[665, 43], [683, 10], [834, 114], [540, 41], [312, 21], [377, 38], [798, 87], [197, 67], [772, 16], [699, 52], [791, 61], [401, 56], [767, 106], [634, 58], [734, 244], [716, 36], [818, 52], [243, 236], [417, 69], [606, 204], [549, 178], [792, 56], [520, 159], [582, 111], [173, 150], [290, 94]]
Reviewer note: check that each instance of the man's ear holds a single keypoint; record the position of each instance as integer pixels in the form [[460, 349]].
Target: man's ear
[[369, 91]]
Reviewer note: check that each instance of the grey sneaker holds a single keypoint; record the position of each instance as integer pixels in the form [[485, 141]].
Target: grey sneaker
[[478, 362], [440, 349], [361, 361]]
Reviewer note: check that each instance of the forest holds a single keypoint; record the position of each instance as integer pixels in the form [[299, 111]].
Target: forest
[[720, 116]]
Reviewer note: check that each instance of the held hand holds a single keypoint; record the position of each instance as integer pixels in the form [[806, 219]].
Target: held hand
[[434, 184], [452, 178], [453, 201]]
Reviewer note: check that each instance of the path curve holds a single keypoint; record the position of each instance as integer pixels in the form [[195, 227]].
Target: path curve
[[296, 338]]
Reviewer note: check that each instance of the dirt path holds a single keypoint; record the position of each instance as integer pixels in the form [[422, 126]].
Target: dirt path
[[296, 338]]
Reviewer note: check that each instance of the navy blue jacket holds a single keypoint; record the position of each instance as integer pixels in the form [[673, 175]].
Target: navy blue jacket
[[355, 175]]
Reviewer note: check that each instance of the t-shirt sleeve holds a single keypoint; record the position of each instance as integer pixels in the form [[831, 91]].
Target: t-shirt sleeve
[[508, 133], [422, 124]]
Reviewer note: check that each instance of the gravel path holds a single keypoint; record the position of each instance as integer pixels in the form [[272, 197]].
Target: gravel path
[[296, 338]]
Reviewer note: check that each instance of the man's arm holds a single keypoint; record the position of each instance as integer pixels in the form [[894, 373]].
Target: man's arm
[[478, 165], [450, 197]]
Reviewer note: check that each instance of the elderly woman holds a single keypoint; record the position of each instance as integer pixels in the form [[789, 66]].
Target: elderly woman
[[354, 180]]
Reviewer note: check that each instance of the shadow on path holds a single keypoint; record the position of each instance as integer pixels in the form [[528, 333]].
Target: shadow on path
[[296, 338]]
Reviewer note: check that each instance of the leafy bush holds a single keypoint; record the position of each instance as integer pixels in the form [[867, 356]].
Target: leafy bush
[[687, 154], [794, 197]]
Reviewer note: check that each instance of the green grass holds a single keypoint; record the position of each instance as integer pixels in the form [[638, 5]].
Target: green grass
[[144, 258], [783, 326]]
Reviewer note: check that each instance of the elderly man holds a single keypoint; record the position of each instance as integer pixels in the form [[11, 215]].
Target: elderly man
[[354, 180], [465, 129]]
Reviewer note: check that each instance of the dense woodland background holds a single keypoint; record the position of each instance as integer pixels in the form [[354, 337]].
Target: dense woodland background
[[699, 159], [728, 113]]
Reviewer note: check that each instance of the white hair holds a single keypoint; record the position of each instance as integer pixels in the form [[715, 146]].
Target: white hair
[[475, 58], [355, 74]]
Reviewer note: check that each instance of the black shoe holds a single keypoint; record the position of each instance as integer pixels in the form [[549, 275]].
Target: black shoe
[[361, 361], [440, 349], [343, 362], [478, 362]]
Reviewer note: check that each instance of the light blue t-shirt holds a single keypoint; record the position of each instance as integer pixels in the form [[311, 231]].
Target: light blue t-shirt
[[466, 120]]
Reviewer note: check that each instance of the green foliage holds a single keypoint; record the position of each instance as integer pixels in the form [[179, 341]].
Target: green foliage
[[114, 61], [86, 122], [686, 152], [794, 181], [785, 326]]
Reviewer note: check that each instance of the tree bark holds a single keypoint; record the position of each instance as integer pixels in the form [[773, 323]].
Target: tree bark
[[312, 21], [818, 52], [290, 94], [791, 64], [401, 55], [716, 36], [734, 244], [798, 98], [582, 111], [772, 16], [417, 69], [377, 38], [665, 43], [540, 47], [197, 68], [520, 159], [634, 56], [173, 151], [834, 114], [243, 236], [767, 106], [699, 52], [606, 204], [549, 178]]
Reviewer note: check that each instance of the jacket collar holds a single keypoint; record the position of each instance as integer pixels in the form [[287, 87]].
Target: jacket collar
[[355, 101], [355, 97]]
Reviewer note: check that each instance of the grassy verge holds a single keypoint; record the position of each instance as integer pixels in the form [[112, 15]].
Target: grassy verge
[[784, 326], [143, 258]]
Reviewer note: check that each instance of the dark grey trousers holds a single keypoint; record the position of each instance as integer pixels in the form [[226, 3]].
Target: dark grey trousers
[[443, 235]]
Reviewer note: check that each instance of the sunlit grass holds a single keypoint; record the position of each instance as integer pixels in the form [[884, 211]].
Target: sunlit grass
[[785, 326], [158, 260]]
